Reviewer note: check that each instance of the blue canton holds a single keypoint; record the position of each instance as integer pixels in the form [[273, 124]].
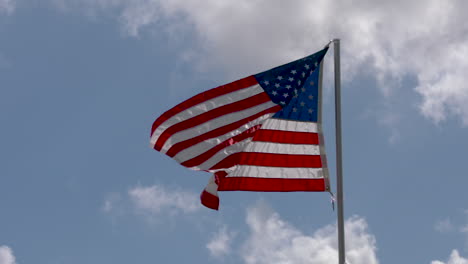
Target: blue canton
[[294, 86]]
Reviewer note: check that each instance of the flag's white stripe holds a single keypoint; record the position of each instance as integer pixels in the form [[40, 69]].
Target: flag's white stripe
[[205, 107], [276, 172], [202, 147], [289, 125], [280, 148], [222, 154], [214, 124], [212, 187]]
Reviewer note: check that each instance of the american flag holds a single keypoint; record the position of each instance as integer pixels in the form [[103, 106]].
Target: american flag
[[260, 133]]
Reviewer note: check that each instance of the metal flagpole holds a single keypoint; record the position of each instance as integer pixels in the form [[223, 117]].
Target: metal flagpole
[[339, 168]]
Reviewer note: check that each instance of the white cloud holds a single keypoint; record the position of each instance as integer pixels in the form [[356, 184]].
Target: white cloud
[[7, 6], [272, 240], [443, 226], [464, 228], [390, 39], [220, 243], [155, 203], [6, 255], [112, 203], [446, 225], [454, 259], [157, 199]]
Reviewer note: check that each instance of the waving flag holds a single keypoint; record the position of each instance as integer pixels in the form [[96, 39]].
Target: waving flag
[[260, 133]]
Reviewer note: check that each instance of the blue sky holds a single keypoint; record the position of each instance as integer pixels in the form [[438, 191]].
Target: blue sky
[[82, 81]]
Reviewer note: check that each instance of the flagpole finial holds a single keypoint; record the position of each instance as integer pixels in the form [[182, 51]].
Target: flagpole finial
[[335, 40]]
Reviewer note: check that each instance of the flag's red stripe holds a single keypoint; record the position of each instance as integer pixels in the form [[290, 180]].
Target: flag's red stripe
[[280, 160], [271, 184], [228, 162], [286, 137], [219, 175], [270, 160], [207, 95], [176, 148], [212, 114], [209, 200], [231, 141]]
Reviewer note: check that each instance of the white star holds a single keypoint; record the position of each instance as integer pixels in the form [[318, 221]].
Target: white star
[[299, 82], [293, 71], [266, 82], [302, 103], [316, 64], [277, 85], [294, 109], [283, 103], [274, 93], [312, 83], [311, 97], [303, 74], [295, 91], [285, 95], [280, 78], [303, 89], [311, 110], [288, 86], [307, 66], [291, 79]]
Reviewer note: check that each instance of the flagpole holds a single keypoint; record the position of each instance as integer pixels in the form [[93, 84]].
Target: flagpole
[[339, 168]]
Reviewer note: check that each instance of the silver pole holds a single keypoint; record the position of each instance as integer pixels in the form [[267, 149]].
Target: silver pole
[[339, 168]]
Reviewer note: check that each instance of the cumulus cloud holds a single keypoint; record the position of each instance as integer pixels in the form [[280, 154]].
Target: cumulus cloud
[[391, 39], [7, 6], [444, 226], [6, 255], [220, 243], [157, 199], [453, 259], [273, 240], [112, 203], [154, 204]]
